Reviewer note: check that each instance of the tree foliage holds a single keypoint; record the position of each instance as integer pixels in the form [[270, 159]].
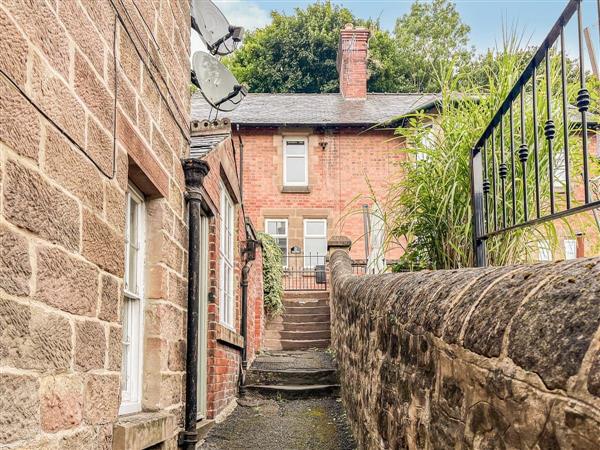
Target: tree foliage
[[429, 38], [297, 52]]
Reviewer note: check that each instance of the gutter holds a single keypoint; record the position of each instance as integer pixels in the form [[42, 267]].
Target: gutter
[[194, 170]]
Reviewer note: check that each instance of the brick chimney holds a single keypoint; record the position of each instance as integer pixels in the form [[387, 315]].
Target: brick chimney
[[352, 61]]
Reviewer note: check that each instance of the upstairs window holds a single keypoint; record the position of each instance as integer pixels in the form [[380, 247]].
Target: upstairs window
[[133, 304], [315, 242], [278, 230], [227, 310], [295, 162]]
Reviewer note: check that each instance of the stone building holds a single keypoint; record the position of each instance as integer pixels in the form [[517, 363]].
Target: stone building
[[94, 122], [312, 160]]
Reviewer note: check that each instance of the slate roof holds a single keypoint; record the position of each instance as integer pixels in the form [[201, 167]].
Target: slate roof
[[317, 109], [201, 145]]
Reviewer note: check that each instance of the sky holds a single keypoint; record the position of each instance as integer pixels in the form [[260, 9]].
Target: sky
[[533, 18]]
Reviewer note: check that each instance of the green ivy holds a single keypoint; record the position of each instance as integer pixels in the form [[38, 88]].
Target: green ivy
[[272, 275]]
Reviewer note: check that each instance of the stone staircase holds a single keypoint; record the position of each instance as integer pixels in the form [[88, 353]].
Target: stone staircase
[[305, 323], [292, 374], [294, 363]]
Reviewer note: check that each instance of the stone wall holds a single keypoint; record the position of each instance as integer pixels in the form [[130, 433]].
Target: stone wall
[[93, 94], [475, 358]]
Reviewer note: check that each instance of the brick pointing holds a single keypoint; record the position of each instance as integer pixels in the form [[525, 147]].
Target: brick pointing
[[496, 357], [352, 62]]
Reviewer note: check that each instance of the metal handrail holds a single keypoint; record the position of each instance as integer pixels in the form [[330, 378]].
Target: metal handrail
[[490, 216]]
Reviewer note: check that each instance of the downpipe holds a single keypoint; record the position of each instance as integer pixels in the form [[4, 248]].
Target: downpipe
[[194, 170]]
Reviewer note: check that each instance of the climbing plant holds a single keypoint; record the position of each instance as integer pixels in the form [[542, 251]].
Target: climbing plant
[[272, 275]]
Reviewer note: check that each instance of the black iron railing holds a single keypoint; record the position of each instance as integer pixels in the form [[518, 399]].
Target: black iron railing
[[305, 272], [505, 195]]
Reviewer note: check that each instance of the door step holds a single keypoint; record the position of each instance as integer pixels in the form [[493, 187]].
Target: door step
[[292, 377], [302, 335], [294, 344], [293, 391]]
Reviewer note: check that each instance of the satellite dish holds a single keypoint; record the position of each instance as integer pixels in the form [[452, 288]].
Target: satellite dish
[[217, 84], [214, 29]]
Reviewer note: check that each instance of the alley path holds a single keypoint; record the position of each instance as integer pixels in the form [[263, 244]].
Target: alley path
[[302, 424], [291, 402]]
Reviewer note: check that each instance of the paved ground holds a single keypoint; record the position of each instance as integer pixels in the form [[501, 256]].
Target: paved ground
[[318, 424]]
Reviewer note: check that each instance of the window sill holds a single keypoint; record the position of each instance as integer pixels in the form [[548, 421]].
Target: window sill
[[142, 430], [295, 189], [229, 337]]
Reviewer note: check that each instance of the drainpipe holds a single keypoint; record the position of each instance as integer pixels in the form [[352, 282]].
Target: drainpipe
[[244, 327], [194, 170]]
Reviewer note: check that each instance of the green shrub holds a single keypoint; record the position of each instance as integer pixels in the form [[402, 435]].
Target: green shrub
[[272, 275]]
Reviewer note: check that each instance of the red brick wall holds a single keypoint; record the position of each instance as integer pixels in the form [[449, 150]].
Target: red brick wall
[[352, 63], [224, 353], [340, 179]]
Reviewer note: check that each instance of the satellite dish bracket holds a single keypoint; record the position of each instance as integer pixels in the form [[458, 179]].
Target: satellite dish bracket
[[236, 33], [236, 90]]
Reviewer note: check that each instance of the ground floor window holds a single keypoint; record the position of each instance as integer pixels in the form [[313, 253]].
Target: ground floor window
[[544, 251], [227, 309], [315, 242], [278, 230], [570, 249], [133, 304]]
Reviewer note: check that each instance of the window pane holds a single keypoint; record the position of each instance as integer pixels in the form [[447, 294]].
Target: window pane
[[315, 250], [316, 228], [133, 226], [132, 284], [295, 168], [294, 148], [545, 253], [277, 227], [126, 341], [570, 249]]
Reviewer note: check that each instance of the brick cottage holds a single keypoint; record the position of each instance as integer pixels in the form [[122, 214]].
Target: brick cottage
[[94, 114], [311, 161]]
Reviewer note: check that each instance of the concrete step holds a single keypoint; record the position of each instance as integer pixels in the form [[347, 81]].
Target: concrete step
[[312, 295], [305, 317], [288, 344], [298, 335], [298, 326], [292, 391], [299, 377], [305, 302], [306, 309]]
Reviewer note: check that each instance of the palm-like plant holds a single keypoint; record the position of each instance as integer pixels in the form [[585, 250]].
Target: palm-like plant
[[428, 210]]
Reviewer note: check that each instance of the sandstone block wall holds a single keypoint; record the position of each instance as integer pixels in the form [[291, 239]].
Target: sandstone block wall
[[93, 93], [475, 358]]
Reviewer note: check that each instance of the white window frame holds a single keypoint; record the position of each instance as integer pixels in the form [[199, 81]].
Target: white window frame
[[544, 250], [286, 140], [313, 236], [133, 311], [279, 236], [570, 248], [226, 257]]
